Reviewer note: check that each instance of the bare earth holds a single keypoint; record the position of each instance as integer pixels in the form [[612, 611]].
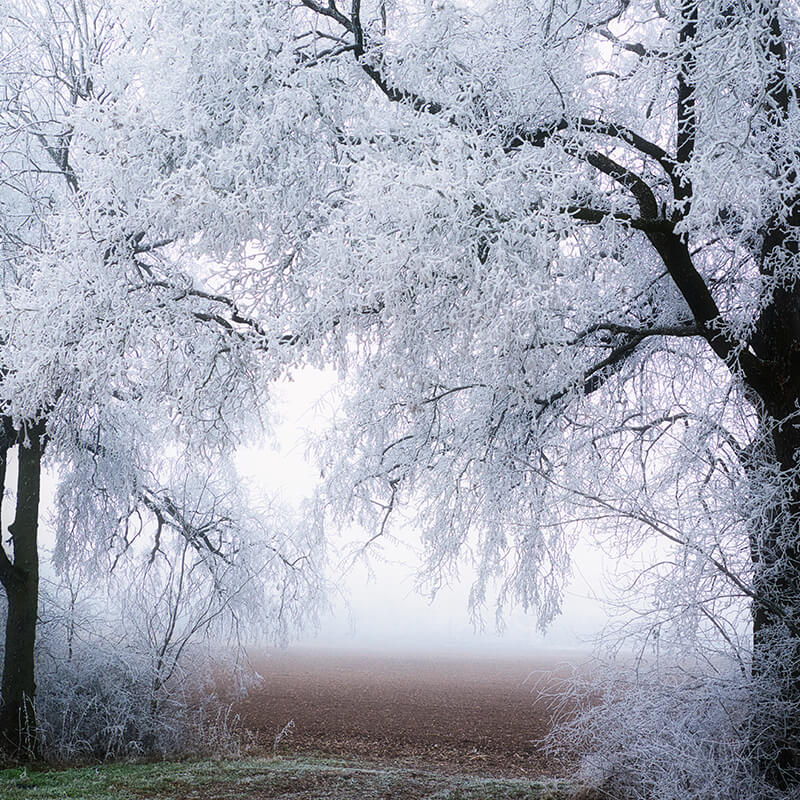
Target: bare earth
[[478, 714]]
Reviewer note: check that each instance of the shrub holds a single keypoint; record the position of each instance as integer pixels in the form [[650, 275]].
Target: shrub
[[668, 733]]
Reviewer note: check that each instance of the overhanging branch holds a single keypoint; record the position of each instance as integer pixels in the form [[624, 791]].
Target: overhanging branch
[[671, 248], [598, 215], [597, 374]]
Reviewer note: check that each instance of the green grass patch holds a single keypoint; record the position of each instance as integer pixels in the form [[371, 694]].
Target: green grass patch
[[300, 778]]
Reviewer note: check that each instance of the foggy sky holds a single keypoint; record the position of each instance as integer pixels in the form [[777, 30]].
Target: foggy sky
[[379, 606]]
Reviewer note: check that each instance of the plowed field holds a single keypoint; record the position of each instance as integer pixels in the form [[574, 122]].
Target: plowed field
[[474, 714]]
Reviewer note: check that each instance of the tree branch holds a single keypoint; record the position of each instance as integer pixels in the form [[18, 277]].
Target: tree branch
[[672, 249], [598, 215], [353, 25], [138, 249], [595, 376], [642, 193], [778, 87], [686, 112], [680, 331], [167, 512], [330, 11], [236, 316], [636, 47], [675, 254], [517, 138], [629, 137], [677, 537]]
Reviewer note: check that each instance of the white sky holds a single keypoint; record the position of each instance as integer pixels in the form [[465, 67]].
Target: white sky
[[380, 608]]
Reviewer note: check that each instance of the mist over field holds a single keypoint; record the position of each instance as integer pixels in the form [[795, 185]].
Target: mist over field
[[480, 710], [377, 602]]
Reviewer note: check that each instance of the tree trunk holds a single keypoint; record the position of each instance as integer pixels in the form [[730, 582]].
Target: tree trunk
[[775, 550], [20, 580]]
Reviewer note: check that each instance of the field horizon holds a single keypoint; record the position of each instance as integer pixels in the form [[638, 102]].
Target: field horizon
[[476, 712]]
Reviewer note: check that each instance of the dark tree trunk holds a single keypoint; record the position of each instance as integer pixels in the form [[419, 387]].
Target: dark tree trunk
[[775, 548], [775, 545], [20, 579], [776, 629]]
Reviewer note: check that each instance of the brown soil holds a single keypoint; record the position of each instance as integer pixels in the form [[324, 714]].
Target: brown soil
[[466, 713]]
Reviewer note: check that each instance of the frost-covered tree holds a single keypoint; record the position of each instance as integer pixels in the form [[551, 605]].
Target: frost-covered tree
[[137, 660], [122, 370], [554, 246]]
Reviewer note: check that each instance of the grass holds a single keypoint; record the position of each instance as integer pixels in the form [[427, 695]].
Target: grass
[[300, 778]]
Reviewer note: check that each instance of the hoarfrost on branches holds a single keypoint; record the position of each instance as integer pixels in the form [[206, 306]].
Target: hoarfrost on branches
[[124, 368], [552, 246]]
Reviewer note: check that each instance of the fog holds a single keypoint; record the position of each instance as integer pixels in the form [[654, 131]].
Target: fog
[[377, 605], [385, 612]]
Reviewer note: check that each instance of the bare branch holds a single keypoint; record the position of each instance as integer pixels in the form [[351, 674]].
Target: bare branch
[[632, 47]]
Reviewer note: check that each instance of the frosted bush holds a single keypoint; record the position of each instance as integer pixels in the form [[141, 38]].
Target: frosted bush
[[664, 733], [106, 702]]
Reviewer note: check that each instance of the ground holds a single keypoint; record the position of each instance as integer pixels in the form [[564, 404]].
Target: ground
[[481, 714], [365, 727], [299, 778]]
